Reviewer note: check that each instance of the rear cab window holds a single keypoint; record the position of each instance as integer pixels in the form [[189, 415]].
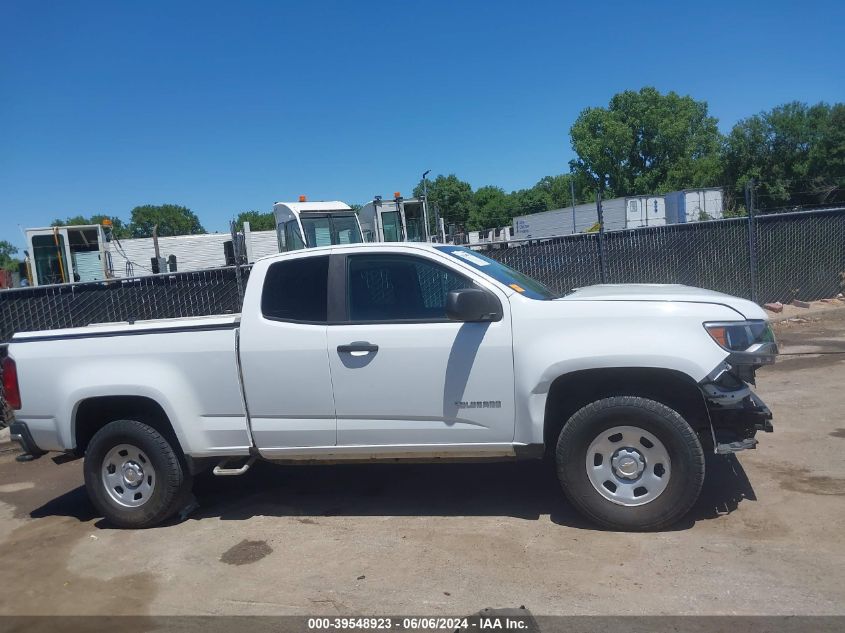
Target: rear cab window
[[296, 290]]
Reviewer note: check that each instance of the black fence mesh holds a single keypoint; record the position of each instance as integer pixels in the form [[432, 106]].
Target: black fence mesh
[[794, 255], [153, 297], [561, 263], [800, 255]]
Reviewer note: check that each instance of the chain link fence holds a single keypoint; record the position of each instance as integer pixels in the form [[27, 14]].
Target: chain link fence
[[777, 257], [170, 295], [800, 255], [767, 258]]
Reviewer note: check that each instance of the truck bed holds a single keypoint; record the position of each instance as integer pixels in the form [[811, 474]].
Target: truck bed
[[188, 366]]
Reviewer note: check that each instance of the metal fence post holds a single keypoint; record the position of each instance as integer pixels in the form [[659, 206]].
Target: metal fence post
[[752, 238], [602, 263], [236, 251]]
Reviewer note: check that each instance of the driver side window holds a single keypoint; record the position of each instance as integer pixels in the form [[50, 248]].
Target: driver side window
[[399, 288]]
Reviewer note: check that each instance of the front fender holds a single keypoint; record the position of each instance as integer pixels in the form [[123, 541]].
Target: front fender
[[562, 337]]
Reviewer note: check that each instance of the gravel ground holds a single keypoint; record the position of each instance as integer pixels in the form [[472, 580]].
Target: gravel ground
[[765, 538]]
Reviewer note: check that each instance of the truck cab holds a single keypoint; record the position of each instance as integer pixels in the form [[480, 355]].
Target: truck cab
[[397, 220], [66, 254], [306, 224]]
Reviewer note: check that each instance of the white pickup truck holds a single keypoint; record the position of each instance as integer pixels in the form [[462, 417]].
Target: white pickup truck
[[403, 351]]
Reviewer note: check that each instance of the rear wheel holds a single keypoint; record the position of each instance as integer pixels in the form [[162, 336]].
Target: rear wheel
[[133, 475], [630, 463]]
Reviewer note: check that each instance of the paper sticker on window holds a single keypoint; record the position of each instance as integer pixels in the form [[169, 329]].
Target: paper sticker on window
[[517, 287], [472, 259]]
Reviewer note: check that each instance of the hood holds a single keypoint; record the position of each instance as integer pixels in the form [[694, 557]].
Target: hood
[[665, 292]]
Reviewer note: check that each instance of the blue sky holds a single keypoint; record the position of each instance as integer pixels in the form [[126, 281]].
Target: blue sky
[[230, 106]]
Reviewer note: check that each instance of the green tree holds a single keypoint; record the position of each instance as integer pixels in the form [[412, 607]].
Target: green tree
[[491, 207], [258, 220], [826, 170], [526, 201], [794, 152], [453, 198], [8, 261], [647, 142], [118, 228], [172, 219], [557, 191]]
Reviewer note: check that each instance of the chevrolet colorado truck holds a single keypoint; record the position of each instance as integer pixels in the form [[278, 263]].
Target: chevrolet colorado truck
[[403, 351]]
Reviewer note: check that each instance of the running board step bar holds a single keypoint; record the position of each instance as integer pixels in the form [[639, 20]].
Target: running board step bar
[[735, 447], [221, 471]]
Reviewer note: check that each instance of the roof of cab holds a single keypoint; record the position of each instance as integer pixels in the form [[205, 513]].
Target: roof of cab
[[321, 205], [359, 246]]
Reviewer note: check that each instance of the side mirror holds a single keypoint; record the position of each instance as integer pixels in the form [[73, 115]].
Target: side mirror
[[473, 305]]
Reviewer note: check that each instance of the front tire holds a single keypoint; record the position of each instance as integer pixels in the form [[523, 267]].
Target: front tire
[[630, 463], [133, 476]]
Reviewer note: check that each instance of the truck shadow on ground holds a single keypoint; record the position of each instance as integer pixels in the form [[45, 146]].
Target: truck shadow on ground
[[526, 490]]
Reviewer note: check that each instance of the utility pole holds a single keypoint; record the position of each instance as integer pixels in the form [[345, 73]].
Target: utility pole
[[572, 193], [425, 203]]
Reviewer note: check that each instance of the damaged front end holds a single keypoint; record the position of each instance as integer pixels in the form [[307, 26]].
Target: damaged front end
[[736, 412]]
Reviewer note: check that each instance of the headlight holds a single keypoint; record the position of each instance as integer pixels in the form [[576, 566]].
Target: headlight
[[739, 336]]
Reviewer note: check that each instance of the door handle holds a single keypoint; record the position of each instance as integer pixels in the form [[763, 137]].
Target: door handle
[[357, 346]]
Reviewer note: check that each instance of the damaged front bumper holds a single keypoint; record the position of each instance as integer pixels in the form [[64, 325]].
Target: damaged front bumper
[[736, 412]]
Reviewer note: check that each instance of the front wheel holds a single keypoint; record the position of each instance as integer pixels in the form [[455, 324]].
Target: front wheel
[[133, 475], [630, 463]]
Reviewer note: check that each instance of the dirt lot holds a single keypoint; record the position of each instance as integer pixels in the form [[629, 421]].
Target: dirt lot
[[766, 536]]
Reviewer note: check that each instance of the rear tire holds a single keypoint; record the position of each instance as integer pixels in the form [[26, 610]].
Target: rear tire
[[133, 475], [630, 463]]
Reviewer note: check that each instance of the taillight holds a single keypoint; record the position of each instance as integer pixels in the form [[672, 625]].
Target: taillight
[[11, 392]]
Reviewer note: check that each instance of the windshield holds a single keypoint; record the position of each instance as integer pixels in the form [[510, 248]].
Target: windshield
[[327, 230], [523, 284]]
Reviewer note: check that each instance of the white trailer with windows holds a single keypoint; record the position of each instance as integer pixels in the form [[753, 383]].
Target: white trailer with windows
[[397, 220], [306, 224]]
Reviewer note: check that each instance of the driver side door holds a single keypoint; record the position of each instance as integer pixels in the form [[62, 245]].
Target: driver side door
[[402, 372]]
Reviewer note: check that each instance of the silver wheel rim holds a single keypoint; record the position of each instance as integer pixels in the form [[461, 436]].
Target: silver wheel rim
[[128, 476], [628, 466]]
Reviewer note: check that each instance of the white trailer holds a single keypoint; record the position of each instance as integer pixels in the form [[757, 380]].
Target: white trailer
[[631, 212], [694, 205], [397, 220], [306, 224], [645, 211], [582, 219]]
